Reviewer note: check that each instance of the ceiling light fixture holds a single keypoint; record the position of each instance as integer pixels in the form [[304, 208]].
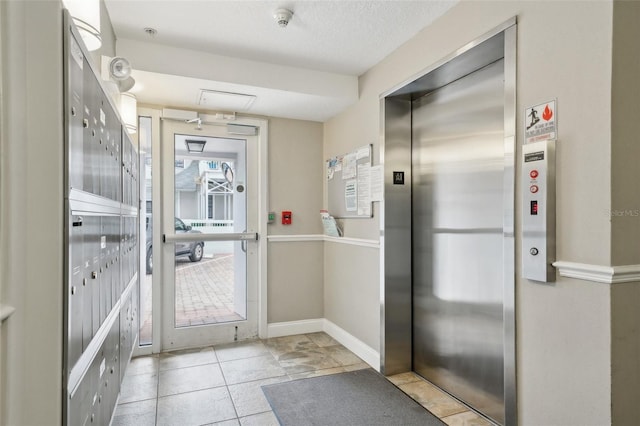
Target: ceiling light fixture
[[282, 17], [86, 16], [129, 111], [195, 146]]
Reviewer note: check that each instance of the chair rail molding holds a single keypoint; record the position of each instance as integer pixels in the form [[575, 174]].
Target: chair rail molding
[[598, 273]]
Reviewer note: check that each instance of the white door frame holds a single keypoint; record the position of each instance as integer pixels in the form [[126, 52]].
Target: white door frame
[[261, 244]]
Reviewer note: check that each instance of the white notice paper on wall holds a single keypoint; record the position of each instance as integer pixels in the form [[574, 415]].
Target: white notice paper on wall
[[363, 152], [377, 183], [351, 196], [364, 190], [349, 163]]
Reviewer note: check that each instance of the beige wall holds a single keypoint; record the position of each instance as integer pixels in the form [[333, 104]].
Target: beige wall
[[564, 51], [295, 175], [625, 209], [294, 281], [625, 129], [32, 213], [295, 268], [352, 291]]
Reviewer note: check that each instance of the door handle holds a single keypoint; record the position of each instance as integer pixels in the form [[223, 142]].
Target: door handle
[[190, 238], [243, 243]]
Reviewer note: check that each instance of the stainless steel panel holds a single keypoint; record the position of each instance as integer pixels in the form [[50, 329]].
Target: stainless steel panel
[[127, 244], [105, 277], [458, 209], [111, 373], [90, 114], [135, 306], [395, 242], [75, 290], [79, 409], [135, 248], [125, 323], [87, 292], [74, 114], [114, 241], [124, 249], [538, 211], [126, 181], [96, 371], [93, 245], [510, 388], [103, 144], [109, 152], [118, 161]]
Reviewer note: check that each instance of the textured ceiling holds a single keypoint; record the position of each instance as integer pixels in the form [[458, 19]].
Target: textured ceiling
[[342, 37]]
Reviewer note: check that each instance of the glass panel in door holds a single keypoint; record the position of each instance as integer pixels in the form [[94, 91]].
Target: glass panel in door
[[210, 276]]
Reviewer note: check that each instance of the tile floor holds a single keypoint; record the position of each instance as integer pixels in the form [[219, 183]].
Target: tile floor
[[220, 385]]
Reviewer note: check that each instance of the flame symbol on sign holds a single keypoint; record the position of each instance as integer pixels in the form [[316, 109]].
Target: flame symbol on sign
[[547, 113]]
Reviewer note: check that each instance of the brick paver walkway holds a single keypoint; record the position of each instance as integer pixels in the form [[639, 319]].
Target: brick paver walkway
[[204, 293]]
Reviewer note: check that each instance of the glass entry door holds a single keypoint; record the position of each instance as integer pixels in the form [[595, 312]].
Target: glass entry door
[[209, 251]]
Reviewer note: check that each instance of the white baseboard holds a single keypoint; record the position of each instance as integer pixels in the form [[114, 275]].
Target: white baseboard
[[279, 329], [355, 345]]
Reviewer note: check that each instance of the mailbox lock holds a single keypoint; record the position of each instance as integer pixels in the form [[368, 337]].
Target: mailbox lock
[[533, 251], [94, 275]]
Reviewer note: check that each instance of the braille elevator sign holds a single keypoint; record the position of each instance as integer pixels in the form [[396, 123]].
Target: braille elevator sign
[[398, 178]]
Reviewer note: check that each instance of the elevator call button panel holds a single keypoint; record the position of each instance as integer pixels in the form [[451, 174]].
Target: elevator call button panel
[[538, 211]]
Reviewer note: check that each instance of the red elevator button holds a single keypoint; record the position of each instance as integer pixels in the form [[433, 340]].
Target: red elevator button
[[533, 174]]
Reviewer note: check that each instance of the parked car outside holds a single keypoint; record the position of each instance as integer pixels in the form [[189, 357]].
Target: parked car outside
[[194, 250]]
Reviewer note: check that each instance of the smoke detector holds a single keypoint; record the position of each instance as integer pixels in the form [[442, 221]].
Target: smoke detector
[[282, 17]]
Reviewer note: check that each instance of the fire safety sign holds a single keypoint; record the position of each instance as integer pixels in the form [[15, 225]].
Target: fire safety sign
[[540, 122]]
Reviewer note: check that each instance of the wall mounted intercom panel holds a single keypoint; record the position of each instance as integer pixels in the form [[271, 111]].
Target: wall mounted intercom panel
[[539, 211]]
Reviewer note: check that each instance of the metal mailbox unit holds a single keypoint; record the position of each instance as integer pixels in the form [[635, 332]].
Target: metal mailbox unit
[[101, 242]]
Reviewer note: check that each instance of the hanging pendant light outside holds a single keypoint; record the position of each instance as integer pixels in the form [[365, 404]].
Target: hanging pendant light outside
[[86, 16], [129, 111]]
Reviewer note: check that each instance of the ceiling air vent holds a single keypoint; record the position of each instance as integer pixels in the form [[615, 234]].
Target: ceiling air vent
[[225, 101]]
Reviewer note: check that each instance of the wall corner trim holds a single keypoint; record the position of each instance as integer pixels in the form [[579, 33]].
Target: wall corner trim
[[599, 273], [355, 345]]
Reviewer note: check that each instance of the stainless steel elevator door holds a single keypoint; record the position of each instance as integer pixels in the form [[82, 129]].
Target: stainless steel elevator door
[[457, 236]]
